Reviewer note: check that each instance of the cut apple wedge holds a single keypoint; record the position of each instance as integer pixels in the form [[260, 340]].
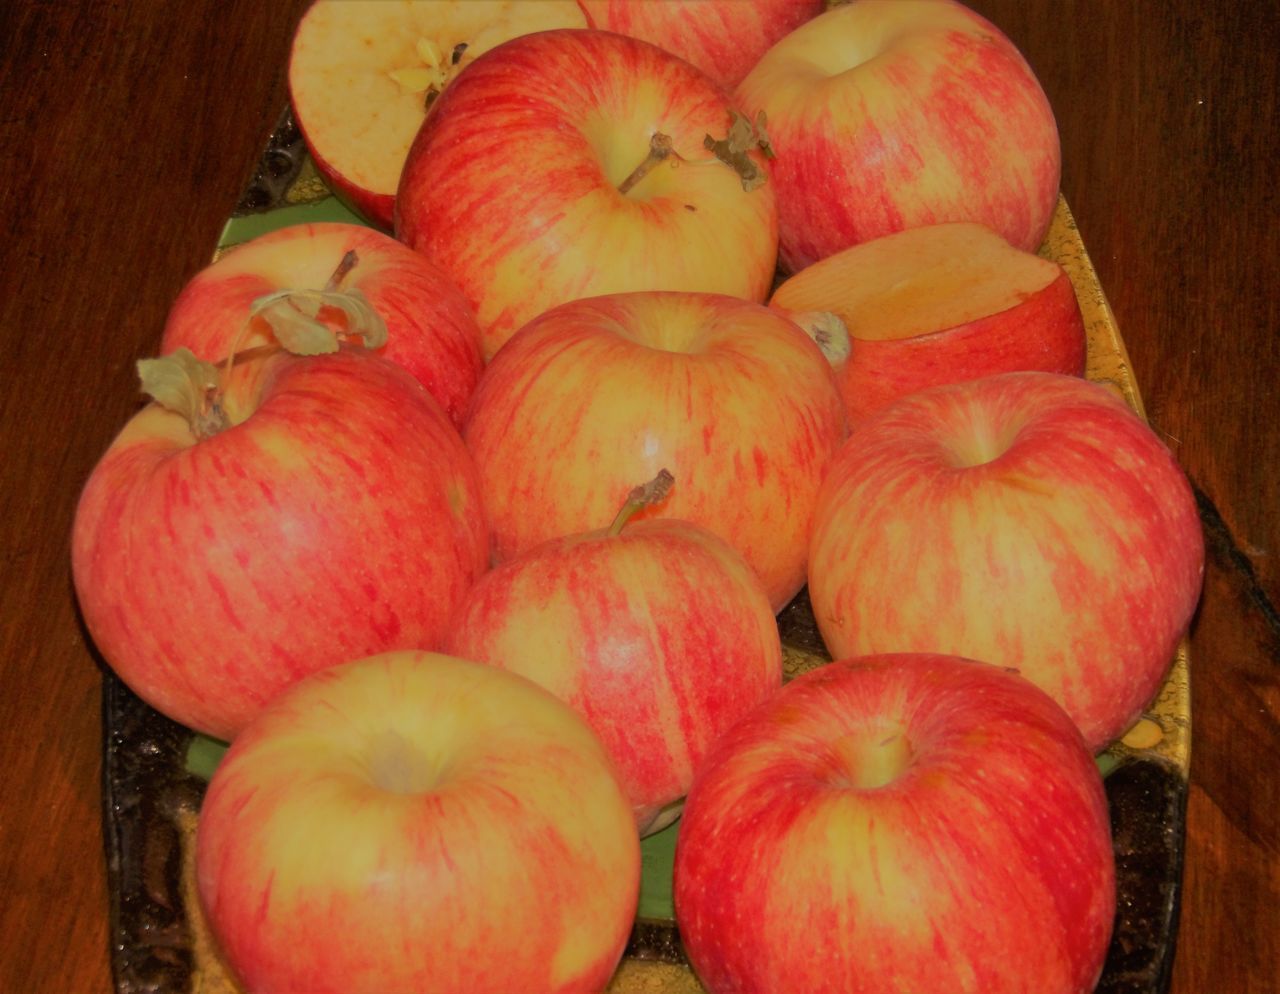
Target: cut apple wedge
[[361, 76], [936, 304]]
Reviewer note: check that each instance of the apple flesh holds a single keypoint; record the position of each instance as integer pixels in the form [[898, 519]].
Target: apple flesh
[[898, 823], [431, 329], [415, 822], [660, 635], [336, 514], [728, 396], [538, 178], [938, 304], [887, 115], [723, 38], [1029, 520], [362, 75]]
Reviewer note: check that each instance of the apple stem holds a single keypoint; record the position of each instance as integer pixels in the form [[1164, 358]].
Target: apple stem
[[645, 495], [347, 263], [660, 147]]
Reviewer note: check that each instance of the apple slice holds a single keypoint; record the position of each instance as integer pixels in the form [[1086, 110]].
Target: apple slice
[[361, 76], [937, 304]]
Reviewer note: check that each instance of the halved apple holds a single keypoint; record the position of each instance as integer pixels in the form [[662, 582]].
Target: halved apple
[[936, 304], [361, 76]]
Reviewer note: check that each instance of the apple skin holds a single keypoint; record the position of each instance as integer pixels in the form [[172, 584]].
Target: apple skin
[[660, 636], [1030, 520], [887, 115], [337, 517], [904, 822], [1042, 329], [415, 822], [735, 401], [431, 329], [723, 38], [511, 185]]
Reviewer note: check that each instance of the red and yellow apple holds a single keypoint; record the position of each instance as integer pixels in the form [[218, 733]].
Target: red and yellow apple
[[729, 396], [938, 304], [723, 38], [658, 633], [887, 115], [898, 823], [431, 329], [569, 164], [415, 822], [1030, 520], [300, 513], [362, 75]]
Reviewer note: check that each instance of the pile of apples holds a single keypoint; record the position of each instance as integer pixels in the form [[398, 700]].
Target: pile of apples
[[469, 533]]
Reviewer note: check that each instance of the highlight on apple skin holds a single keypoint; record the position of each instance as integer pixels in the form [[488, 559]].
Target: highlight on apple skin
[[733, 399], [570, 164], [416, 822], [1030, 520], [887, 114], [901, 822]]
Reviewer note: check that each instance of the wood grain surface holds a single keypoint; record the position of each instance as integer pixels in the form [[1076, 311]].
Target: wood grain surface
[[127, 130]]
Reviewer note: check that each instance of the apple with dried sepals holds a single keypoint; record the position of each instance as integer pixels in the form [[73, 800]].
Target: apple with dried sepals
[[416, 822], [887, 115], [268, 518], [723, 38], [1030, 520], [431, 329], [898, 823], [733, 399], [937, 304], [362, 75], [656, 631], [570, 164]]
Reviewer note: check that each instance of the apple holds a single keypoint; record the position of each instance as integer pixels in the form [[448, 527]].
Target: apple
[[285, 515], [723, 38], [657, 632], [938, 304], [415, 822], [431, 329], [887, 115], [1030, 520], [907, 822], [727, 395], [570, 164], [362, 75]]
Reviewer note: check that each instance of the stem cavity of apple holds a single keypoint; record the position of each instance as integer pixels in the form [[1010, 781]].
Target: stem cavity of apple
[[660, 147], [829, 333], [734, 151], [645, 495], [193, 387]]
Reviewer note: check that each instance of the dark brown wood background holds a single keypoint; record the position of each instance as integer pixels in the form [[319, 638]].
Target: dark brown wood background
[[127, 130]]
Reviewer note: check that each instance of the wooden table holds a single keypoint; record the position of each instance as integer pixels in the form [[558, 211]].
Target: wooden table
[[129, 129]]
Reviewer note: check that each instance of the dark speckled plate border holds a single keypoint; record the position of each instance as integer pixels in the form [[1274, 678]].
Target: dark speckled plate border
[[147, 789]]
